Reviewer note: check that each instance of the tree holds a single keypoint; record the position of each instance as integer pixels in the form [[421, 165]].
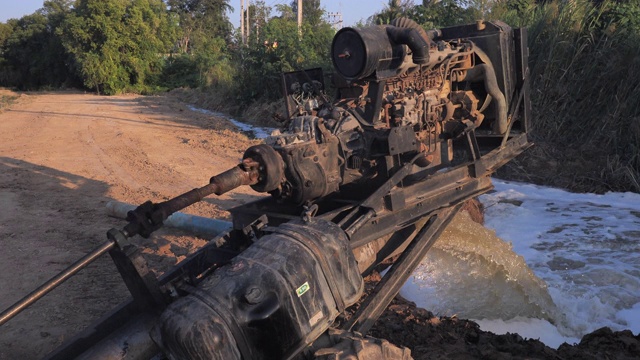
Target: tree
[[451, 12], [6, 72], [482, 7], [430, 14], [117, 44], [30, 51], [56, 11], [260, 14], [393, 9], [33, 56], [204, 35], [201, 20], [286, 12], [6, 29], [278, 48]]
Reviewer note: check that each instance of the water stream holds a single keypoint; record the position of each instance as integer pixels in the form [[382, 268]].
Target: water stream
[[253, 131], [563, 265]]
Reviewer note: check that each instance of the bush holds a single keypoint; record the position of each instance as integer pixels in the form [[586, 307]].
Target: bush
[[279, 49], [180, 71]]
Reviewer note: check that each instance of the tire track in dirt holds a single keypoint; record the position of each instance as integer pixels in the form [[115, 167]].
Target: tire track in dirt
[[115, 173], [62, 157]]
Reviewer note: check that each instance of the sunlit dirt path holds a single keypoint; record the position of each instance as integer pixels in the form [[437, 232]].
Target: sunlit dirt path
[[63, 156]]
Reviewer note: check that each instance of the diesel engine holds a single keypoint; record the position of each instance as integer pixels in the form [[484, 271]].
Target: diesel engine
[[401, 91], [406, 100]]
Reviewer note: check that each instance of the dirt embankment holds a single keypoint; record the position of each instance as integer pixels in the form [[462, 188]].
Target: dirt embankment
[[64, 155], [431, 337]]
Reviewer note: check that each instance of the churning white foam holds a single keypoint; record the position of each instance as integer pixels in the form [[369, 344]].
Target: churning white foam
[[568, 264]]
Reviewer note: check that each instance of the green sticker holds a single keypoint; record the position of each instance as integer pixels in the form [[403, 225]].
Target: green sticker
[[303, 289]]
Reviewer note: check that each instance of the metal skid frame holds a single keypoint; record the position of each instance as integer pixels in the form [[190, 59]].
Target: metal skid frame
[[427, 200]]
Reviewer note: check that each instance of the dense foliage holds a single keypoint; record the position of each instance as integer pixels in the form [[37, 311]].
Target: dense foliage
[[200, 55], [31, 54], [584, 59], [276, 47], [116, 45], [584, 70]]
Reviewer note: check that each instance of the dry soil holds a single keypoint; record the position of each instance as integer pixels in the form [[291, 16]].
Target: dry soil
[[63, 156]]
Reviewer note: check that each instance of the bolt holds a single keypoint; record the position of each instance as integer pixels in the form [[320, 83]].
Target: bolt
[[253, 295]]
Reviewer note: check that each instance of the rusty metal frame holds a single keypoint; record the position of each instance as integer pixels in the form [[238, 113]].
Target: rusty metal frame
[[396, 205]]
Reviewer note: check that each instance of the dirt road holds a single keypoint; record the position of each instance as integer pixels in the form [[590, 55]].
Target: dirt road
[[63, 156]]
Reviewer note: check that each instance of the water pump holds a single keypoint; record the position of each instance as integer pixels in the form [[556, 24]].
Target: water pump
[[420, 121]]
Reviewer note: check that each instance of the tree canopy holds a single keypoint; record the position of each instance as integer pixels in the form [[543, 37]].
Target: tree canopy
[[116, 43], [31, 54], [200, 20]]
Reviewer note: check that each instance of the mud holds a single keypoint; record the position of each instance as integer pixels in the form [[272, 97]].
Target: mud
[[431, 337]]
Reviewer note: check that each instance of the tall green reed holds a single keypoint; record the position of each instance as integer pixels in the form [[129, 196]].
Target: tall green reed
[[585, 79]]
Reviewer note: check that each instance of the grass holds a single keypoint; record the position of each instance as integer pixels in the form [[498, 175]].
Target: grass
[[7, 100], [585, 79]]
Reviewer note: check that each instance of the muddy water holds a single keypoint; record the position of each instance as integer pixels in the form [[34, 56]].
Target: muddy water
[[586, 247], [472, 273]]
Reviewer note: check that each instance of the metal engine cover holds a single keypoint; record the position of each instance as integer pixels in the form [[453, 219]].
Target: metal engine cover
[[273, 299]]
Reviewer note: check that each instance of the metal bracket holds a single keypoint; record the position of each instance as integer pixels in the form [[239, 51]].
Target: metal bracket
[[310, 210], [141, 282], [402, 139], [254, 230], [388, 287], [478, 168]]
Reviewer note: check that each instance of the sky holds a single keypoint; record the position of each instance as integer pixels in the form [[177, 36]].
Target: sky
[[352, 10], [16, 9]]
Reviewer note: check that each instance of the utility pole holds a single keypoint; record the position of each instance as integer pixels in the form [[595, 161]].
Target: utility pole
[[335, 19], [300, 18], [247, 22], [244, 41]]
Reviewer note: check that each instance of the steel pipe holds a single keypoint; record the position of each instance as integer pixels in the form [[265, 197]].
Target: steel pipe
[[179, 220], [45, 288]]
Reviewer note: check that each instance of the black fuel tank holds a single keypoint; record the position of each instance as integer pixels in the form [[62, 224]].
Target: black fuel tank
[[273, 299]]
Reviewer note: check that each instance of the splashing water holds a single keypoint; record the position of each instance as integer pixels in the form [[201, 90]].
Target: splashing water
[[571, 264], [472, 273]]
